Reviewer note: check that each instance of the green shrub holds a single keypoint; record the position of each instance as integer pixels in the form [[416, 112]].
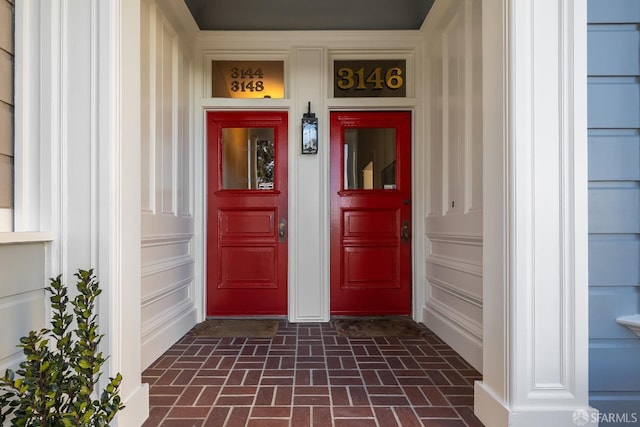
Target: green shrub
[[54, 385]]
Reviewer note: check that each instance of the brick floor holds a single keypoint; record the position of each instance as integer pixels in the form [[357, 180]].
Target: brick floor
[[307, 375]]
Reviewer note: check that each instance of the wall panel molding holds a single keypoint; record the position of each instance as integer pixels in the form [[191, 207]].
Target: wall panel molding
[[165, 281], [453, 225], [466, 297], [460, 321], [168, 289]]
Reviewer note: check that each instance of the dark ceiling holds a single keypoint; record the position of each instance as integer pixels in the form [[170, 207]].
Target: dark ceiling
[[283, 15]]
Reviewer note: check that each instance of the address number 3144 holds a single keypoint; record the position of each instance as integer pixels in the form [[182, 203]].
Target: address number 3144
[[348, 78]]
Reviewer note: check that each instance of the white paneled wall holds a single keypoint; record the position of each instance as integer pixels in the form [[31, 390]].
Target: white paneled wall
[[453, 225], [22, 297], [168, 295]]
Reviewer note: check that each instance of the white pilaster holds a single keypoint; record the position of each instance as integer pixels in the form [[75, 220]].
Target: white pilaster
[[78, 161], [535, 225], [308, 208], [119, 134]]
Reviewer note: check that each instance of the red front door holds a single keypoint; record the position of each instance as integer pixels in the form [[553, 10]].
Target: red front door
[[247, 213], [370, 213]]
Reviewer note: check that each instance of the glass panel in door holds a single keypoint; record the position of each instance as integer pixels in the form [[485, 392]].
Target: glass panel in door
[[370, 159], [248, 161]]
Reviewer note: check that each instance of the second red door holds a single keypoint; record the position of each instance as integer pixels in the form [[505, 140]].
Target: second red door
[[370, 213]]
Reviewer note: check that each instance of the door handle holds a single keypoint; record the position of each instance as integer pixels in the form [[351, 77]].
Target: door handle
[[404, 232], [282, 230]]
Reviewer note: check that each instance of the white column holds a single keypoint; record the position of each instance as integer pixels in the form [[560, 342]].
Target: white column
[[535, 225], [118, 57]]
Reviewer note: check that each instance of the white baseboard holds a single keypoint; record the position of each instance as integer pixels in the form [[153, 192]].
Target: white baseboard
[[555, 417], [493, 413], [156, 341], [488, 407], [136, 409], [466, 345]]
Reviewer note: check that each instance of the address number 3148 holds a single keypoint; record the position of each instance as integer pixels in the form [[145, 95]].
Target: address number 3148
[[348, 78]]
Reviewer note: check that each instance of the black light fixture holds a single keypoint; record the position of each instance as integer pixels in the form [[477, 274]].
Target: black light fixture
[[309, 132]]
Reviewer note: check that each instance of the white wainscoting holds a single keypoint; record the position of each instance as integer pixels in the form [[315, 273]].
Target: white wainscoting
[[453, 307], [453, 303], [168, 306], [168, 295]]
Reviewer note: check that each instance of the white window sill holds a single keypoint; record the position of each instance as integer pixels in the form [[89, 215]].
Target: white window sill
[[25, 237]]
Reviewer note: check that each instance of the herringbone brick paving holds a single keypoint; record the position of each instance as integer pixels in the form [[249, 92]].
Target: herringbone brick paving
[[308, 375]]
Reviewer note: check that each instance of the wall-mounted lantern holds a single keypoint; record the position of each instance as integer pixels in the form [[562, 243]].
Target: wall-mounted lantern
[[309, 132]]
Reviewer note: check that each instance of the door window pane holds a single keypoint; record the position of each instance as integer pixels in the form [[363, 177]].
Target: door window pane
[[370, 159], [247, 158]]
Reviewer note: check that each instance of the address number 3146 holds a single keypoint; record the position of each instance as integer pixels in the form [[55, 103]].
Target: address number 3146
[[348, 78]]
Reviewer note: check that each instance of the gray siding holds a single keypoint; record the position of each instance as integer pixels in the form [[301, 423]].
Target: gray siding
[[614, 206]]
